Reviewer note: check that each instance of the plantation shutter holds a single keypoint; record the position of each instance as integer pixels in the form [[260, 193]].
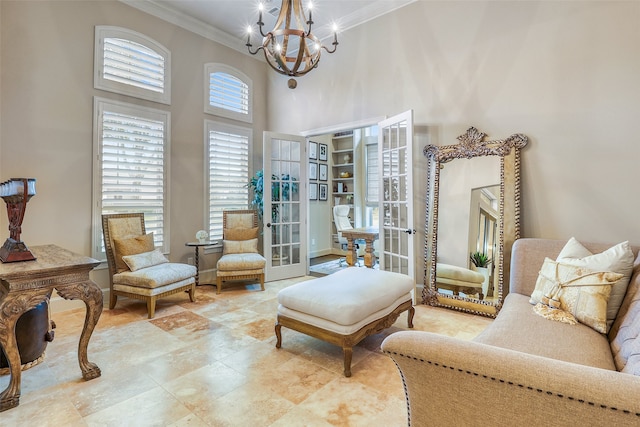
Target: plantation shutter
[[133, 167], [131, 63], [228, 92], [228, 174]]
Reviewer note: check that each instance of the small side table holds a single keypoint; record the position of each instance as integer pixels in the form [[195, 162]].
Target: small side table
[[197, 246]]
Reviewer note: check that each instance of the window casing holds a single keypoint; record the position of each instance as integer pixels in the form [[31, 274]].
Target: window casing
[[132, 64], [229, 92], [131, 167], [227, 172]]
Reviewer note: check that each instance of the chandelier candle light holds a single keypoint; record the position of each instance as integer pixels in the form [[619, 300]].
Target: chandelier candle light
[[16, 193], [290, 48]]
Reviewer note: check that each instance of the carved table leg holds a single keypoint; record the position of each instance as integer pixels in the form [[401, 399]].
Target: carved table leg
[[352, 255], [12, 307], [90, 293], [369, 256]]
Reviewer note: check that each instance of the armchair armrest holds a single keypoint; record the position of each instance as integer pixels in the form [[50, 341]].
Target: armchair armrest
[[454, 382]]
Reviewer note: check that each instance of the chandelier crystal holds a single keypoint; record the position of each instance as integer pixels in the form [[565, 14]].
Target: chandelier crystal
[[290, 48]]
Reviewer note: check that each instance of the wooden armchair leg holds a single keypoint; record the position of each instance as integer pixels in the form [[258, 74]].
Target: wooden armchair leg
[[112, 299], [151, 307], [218, 285]]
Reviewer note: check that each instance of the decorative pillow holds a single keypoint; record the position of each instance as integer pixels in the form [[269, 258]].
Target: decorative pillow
[[618, 259], [241, 233], [131, 246], [145, 259], [568, 293], [239, 247]]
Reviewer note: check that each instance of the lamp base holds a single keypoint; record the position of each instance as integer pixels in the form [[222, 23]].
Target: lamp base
[[13, 251]]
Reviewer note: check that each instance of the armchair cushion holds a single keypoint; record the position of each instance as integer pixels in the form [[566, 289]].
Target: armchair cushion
[[241, 261], [241, 233], [239, 246], [131, 246], [155, 276], [144, 260]]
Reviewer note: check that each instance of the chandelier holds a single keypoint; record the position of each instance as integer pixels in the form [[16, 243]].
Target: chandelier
[[290, 48]]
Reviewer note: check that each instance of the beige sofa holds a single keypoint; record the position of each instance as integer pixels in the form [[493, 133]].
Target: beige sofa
[[525, 369]]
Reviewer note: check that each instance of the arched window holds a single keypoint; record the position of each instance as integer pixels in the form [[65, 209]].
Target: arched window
[[131, 64], [229, 92]]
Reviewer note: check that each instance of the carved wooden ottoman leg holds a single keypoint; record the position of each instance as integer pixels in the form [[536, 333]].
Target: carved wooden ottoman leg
[[348, 353], [410, 314], [278, 335]]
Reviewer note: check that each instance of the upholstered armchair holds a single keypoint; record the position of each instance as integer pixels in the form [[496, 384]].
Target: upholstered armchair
[[240, 258], [136, 268]]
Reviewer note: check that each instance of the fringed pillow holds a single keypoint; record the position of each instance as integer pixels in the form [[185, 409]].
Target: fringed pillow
[[571, 294]]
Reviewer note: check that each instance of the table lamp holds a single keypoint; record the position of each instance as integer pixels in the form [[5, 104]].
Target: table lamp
[[16, 193]]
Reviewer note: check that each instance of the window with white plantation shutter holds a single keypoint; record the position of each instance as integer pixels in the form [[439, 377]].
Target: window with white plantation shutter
[[132, 64], [227, 152], [131, 170], [229, 92]]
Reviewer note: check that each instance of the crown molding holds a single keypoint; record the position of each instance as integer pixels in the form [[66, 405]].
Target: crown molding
[[373, 10], [188, 23]]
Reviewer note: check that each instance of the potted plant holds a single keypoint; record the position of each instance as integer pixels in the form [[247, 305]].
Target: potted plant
[[480, 259], [256, 184]]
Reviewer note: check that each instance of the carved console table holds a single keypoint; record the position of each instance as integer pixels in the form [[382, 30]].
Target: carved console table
[[23, 285]]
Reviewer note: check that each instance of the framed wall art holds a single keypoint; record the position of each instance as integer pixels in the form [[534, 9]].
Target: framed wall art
[[313, 150], [324, 189], [313, 191], [324, 171], [313, 170], [323, 152]]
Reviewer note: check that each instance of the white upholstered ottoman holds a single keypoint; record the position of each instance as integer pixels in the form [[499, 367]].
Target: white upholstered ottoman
[[345, 307]]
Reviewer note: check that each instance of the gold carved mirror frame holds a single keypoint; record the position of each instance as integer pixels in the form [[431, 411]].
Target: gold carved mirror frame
[[473, 145]]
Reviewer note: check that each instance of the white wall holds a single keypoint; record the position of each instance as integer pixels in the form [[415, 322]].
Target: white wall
[[46, 111], [563, 73]]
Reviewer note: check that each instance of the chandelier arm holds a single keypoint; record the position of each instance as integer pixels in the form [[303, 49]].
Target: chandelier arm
[[252, 52], [260, 25], [335, 46]]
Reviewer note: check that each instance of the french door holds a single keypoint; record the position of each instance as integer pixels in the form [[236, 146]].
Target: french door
[[395, 161], [285, 205]]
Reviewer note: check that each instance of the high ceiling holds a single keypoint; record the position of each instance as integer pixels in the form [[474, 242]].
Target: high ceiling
[[226, 21]]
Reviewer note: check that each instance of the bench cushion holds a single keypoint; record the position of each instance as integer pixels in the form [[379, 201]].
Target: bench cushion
[[156, 276], [239, 262], [348, 296]]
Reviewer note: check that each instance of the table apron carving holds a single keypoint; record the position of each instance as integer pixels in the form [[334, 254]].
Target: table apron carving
[[26, 284]]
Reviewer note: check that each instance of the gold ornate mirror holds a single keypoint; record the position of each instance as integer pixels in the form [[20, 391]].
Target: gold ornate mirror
[[473, 218]]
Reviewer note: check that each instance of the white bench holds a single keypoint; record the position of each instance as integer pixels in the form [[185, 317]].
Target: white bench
[[345, 307]]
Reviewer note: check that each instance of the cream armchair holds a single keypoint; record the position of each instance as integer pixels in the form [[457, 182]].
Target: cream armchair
[[136, 268], [240, 258]]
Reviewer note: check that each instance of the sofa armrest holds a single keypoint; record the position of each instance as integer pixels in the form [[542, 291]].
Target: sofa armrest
[[454, 382]]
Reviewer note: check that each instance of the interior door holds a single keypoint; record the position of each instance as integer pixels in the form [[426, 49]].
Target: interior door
[[285, 205], [395, 161]]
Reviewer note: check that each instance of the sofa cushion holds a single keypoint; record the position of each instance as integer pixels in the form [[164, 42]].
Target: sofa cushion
[[618, 258], [569, 293], [518, 328], [625, 332]]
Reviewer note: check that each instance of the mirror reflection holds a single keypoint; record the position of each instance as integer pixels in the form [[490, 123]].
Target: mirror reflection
[[469, 220]]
